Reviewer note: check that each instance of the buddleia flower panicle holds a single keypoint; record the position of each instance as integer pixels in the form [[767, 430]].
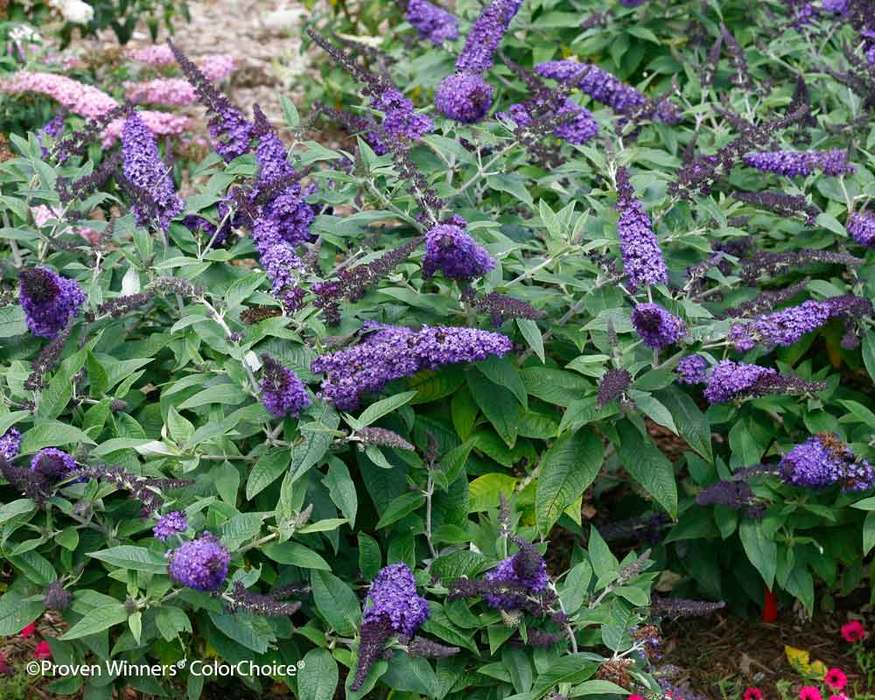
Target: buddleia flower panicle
[[357, 125], [371, 435], [428, 649], [684, 607], [861, 226], [766, 301], [742, 77], [797, 163], [49, 300], [616, 672], [396, 352], [52, 463], [147, 490], [144, 169], [85, 185], [735, 494], [392, 606], [564, 118], [643, 262], [451, 250], [200, 564], [49, 133], [501, 307], [781, 204], [647, 527], [259, 603], [169, 524], [692, 369], [255, 314], [825, 460], [10, 444], [656, 326], [282, 392], [47, 359], [33, 484], [612, 385], [525, 569], [432, 22], [730, 381], [783, 328], [229, 130]]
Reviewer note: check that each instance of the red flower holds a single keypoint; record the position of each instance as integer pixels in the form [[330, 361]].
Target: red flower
[[753, 694], [635, 696], [853, 631], [28, 630], [835, 679], [42, 650], [770, 607], [5, 669], [809, 692]]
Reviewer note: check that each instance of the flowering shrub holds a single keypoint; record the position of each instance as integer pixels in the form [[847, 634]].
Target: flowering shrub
[[429, 410]]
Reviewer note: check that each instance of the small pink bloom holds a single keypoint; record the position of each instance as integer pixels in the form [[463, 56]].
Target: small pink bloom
[[809, 692], [753, 694], [853, 631], [42, 650], [836, 679], [839, 697], [635, 696], [28, 630], [5, 669]]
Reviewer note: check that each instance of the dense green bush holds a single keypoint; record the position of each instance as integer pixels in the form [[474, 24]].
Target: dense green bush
[[497, 332]]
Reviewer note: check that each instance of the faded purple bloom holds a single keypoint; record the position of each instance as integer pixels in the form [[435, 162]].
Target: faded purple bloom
[[501, 307], [282, 392], [169, 524], [780, 203], [685, 607], [10, 444], [691, 369], [642, 257], [427, 649], [396, 352], [432, 22], [824, 460], [451, 250], [150, 177], [49, 300], [774, 263], [525, 569], [392, 596], [201, 564], [861, 226], [577, 124], [736, 380], [632, 3], [56, 597], [794, 163], [382, 437], [785, 327], [259, 603], [372, 641], [463, 97], [52, 463], [612, 385], [485, 35], [657, 327]]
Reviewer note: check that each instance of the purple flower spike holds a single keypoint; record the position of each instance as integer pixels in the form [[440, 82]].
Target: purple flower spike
[[49, 300], [174, 523], [795, 163], [526, 569], [691, 369], [464, 97], [657, 327], [10, 444], [642, 257], [432, 22], [824, 460], [282, 392], [392, 596], [862, 228], [451, 250], [736, 380], [402, 121], [201, 564], [155, 197], [485, 35], [52, 463], [577, 127]]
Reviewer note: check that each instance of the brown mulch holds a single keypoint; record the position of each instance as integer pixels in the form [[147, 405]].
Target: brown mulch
[[732, 651]]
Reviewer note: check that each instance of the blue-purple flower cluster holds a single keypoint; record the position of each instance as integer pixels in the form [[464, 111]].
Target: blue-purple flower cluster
[[525, 570], [169, 524], [49, 301], [796, 163], [785, 327], [395, 352], [737, 380], [825, 460], [452, 251], [200, 564], [656, 326], [432, 22], [10, 444], [392, 597], [861, 226], [282, 392], [52, 463], [692, 369], [576, 123], [643, 262]]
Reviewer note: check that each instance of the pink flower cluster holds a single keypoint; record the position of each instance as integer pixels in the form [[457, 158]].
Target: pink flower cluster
[[216, 66], [175, 92], [88, 101]]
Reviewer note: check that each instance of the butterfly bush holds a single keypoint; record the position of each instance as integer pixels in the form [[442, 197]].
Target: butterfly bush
[[514, 314]]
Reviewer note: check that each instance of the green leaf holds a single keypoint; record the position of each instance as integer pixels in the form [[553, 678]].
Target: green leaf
[[96, 621], [571, 668], [484, 492], [12, 321], [761, 550], [868, 533], [532, 335], [52, 434], [502, 372], [134, 558], [17, 612], [377, 410], [341, 488], [691, 422], [266, 470], [170, 621], [567, 469], [399, 507], [252, 631], [228, 394], [648, 466], [296, 554], [317, 678], [411, 675], [335, 601], [310, 451], [868, 350], [653, 409], [498, 404]]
